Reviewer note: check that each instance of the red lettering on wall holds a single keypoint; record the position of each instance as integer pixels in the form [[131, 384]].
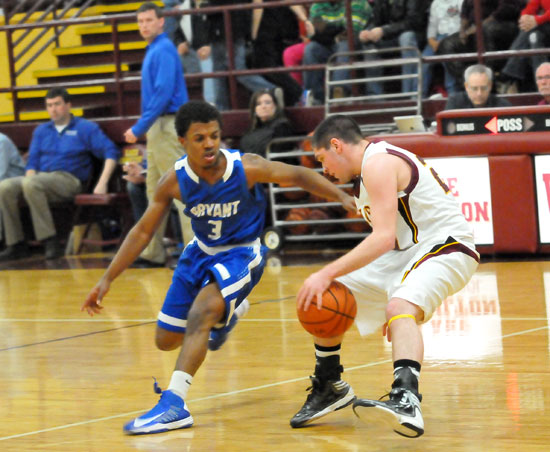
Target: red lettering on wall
[[451, 183], [476, 211], [546, 179]]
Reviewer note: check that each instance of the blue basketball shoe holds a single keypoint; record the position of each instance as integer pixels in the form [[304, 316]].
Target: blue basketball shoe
[[170, 413], [218, 336]]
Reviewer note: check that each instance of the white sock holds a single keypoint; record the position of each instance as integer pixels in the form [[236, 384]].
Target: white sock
[[180, 383], [242, 309]]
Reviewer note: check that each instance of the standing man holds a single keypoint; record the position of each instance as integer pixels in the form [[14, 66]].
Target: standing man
[[478, 83], [420, 251], [542, 77], [59, 164], [225, 260], [163, 91]]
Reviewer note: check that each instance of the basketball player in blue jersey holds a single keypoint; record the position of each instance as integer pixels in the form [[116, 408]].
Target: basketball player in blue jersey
[[220, 266], [420, 251]]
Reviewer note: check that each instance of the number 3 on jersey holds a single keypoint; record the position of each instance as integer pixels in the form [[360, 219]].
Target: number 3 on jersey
[[216, 229]]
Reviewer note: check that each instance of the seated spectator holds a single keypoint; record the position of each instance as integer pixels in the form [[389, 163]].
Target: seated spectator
[[444, 20], [241, 26], [401, 23], [269, 40], [195, 52], [329, 21], [136, 188], [11, 163], [59, 165], [478, 84], [534, 24], [542, 77], [499, 29], [267, 121]]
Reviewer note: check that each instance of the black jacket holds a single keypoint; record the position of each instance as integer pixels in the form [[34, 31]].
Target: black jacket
[[461, 100], [400, 16]]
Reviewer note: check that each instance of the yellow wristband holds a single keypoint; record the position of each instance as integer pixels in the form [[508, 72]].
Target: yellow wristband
[[401, 316]]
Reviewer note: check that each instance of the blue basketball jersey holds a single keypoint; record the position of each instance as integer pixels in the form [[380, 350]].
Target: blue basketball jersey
[[226, 212]]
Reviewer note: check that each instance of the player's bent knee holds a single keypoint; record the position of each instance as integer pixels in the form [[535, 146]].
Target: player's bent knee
[[398, 306], [168, 340]]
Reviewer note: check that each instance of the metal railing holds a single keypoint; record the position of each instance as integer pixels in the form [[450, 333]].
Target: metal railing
[[119, 79]]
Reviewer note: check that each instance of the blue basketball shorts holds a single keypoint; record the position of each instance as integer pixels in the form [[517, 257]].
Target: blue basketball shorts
[[235, 269]]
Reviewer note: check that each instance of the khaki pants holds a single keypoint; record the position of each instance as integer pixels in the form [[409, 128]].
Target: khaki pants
[[163, 149], [38, 191]]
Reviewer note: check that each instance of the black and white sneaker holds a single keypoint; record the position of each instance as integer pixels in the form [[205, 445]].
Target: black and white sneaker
[[324, 398], [401, 412]]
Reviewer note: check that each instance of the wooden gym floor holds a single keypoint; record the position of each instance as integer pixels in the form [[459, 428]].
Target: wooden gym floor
[[69, 382]]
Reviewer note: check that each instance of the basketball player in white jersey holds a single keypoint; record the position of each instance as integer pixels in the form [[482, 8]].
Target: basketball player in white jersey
[[420, 251]]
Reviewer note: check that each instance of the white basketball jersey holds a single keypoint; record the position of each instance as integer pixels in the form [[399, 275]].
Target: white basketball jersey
[[427, 211]]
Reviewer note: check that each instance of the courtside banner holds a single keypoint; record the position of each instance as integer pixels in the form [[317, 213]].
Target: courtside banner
[[542, 177], [469, 182]]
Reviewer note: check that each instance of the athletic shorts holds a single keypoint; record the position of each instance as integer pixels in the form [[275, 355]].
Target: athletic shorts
[[235, 269], [424, 275]]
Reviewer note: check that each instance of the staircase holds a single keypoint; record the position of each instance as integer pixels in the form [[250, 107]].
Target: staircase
[[92, 59]]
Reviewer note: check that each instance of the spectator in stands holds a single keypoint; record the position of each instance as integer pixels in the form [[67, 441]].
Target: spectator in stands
[[267, 121], [329, 21], [59, 165], [534, 25], [444, 20], [269, 40], [499, 29], [195, 51], [241, 31], [401, 23], [163, 91], [136, 187], [478, 84], [171, 22], [11, 163], [542, 78]]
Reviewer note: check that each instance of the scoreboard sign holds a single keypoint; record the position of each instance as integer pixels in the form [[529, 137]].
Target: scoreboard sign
[[496, 124]]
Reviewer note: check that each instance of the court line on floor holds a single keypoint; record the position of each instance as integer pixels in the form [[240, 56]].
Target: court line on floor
[[75, 336], [200, 399], [227, 394]]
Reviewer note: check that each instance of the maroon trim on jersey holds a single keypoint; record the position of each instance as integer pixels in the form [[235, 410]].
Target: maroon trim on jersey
[[450, 246], [414, 169], [404, 209]]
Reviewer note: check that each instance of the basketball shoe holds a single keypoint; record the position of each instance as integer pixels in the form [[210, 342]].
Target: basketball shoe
[[324, 398], [170, 413], [218, 336], [401, 412]]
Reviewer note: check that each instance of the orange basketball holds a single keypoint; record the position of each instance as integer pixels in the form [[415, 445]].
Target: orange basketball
[[298, 214], [335, 316]]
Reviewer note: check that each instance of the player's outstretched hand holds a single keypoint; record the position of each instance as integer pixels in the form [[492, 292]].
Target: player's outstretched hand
[[349, 204], [92, 305], [312, 289]]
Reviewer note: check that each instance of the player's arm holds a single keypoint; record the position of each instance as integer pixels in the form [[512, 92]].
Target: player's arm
[[380, 175], [136, 240], [260, 170]]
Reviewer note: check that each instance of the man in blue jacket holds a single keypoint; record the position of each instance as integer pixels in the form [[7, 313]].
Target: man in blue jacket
[[59, 165], [163, 91]]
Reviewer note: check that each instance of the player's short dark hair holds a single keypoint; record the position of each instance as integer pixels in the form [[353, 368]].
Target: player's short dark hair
[[58, 92], [336, 126], [150, 6], [195, 111]]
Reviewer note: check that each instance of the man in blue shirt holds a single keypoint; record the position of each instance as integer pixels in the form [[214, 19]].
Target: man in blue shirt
[[163, 90], [59, 164]]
